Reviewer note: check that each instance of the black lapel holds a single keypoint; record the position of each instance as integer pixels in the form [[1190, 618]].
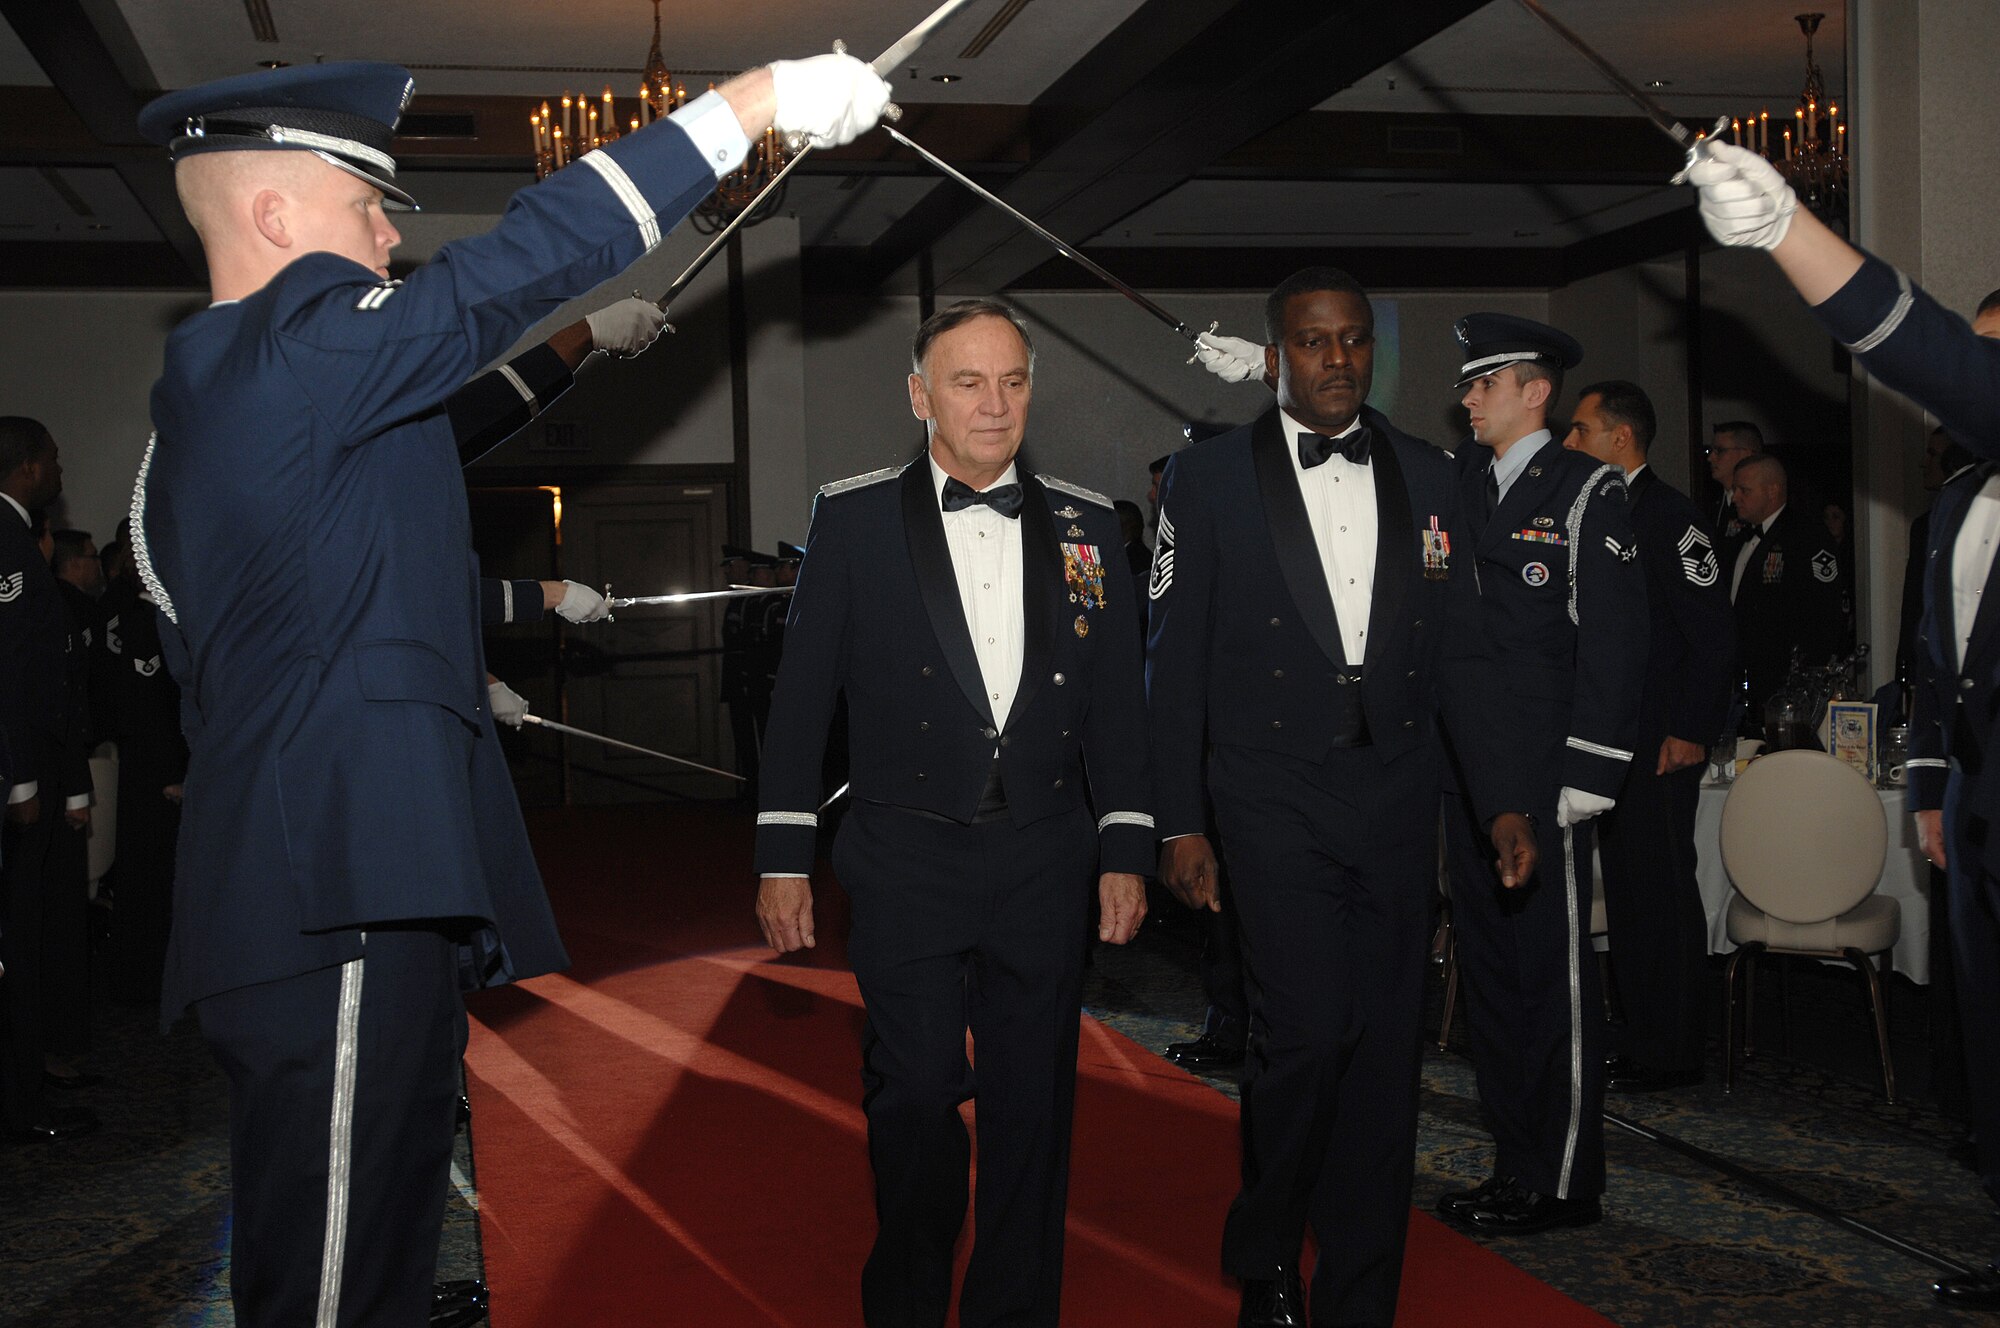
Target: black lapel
[[1472, 492], [1979, 641], [930, 556], [1044, 592], [1395, 542], [1291, 532]]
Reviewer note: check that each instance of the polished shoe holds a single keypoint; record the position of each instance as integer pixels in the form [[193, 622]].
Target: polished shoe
[[1625, 1075], [1273, 1302], [464, 1111], [69, 1082], [1210, 1051], [1970, 1291], [1519, 1211], [56, 1123], [1455, 1203], [458, 1304]]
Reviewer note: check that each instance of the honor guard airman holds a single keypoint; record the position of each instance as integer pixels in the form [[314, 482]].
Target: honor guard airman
[[1540, 685], [351, 854]]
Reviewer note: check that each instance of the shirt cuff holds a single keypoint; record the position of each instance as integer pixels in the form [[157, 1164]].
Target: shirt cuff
[[712, 126], [22, 792], [76, 802]]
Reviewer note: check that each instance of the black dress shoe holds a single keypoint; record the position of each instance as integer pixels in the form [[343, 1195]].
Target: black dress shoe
[[56, 1123], [1626, 1075], [1210, 1051], [1273, 1302], [1969, 1291], [464, 1111], [1455, 1203], [458, 1304], [71, 1081], [1519, 1211]]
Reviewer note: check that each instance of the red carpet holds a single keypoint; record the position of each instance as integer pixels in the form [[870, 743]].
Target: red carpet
[[670, 1133]]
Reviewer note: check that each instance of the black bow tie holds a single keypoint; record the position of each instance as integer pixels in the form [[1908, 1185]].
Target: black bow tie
[[1317, 447], [1002, 498]]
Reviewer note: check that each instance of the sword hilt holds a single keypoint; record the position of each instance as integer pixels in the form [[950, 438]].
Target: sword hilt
[[796, 142]]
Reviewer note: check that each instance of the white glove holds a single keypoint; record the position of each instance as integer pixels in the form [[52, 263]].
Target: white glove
[[509, 707], [1574, 806], [1232, 359], [627, 327], [1744, 201], [831, 99], [581, 604]]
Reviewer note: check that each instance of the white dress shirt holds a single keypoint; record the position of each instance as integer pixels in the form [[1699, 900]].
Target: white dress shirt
[[1751, 540], [1972, 561], [1340, 503], [1508, 468], [986, 560]]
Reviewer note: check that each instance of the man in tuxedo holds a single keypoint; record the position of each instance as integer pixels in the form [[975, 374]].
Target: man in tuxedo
[[1784, 578], [1298, 606], [985, 634]]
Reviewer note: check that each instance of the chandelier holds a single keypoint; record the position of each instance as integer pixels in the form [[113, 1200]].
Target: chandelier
[[581, 124], [1812, 150]]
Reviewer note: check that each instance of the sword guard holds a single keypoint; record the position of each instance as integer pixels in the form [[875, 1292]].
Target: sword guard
[[1212, 326], [610, 602], [892, 113]]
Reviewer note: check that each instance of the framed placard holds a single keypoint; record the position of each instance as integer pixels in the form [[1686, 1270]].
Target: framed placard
[[1850, 727]]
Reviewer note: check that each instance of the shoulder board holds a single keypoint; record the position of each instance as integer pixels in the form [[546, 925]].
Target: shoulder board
[[859, 481], [1074, 490]]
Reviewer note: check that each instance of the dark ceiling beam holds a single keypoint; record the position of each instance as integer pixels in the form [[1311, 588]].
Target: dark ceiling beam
[[87, 65], [93, 265], [1178, 85]]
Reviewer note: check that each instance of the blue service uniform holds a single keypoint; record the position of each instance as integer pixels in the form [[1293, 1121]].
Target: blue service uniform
[[1950, 770], [1789, 602], [301, 521], [969, 853], [1540, 687], [1652, 904], [1323, 772], [34, 642]]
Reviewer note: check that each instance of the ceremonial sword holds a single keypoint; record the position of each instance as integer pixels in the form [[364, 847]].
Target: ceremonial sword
[[1655, 112], [691, 596], [904, 47], [553, 726], [1062, 246]]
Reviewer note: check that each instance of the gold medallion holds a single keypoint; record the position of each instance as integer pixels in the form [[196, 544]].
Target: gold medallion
[[1082, 625]]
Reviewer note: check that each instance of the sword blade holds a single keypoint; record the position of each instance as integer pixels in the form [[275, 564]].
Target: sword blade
[[1655, 112], [902, 49], [694, 596], [573, 732], [1062, 246]]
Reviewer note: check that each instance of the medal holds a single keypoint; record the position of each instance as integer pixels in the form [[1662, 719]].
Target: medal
[[1082, 626]]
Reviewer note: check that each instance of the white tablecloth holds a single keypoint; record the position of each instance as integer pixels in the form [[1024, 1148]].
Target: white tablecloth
[[1905, 878]]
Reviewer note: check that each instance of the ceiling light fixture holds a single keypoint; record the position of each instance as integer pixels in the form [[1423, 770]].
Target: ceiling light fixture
[[582, 124], [1812, 150]]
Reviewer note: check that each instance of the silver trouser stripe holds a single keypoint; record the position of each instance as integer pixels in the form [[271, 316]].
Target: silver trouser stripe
[[628, 194], [1125, 818], [1894, 319], [788, 818], [1599, 749], [527, 393], [340, 1142], [1575, 1016]]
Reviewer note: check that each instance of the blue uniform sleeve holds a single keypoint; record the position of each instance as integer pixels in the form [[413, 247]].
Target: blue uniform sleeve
[[1114, 738], [809, 681], [495, 406], [1608, 607], [1180, 589], [1697, 604], [1923, 350], [509, 601], [370, 354]]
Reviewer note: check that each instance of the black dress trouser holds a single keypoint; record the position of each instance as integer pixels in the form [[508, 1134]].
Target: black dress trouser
[[1652, 909], [343, 1092], [958, 927]]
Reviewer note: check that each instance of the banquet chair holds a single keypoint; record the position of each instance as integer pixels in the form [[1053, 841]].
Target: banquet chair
[[1804, 839]]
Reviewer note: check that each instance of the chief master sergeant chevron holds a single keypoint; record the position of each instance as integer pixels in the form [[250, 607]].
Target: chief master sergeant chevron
[[351, 855]]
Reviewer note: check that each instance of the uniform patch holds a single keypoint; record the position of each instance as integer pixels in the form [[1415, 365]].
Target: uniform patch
[[11, 586], [1075, 532], [1074, 490], [112, 641], [1545, 522], [1825, 566], [1084, 572], [1698, 562], [377, 295], [1536, 574], [1538, 537], [1161, 579], [1774, 567], [858, 481], [146, 668], [1624, 553], [1068, 512]]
